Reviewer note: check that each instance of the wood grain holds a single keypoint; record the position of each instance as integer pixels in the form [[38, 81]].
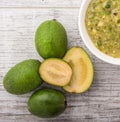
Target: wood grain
[[40, 3], [101, 103]]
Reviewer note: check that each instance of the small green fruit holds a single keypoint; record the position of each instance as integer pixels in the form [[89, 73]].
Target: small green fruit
[[47, 103], [23, 77], [51, 39]]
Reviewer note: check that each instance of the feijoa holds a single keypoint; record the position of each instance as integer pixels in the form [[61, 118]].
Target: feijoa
[[51, 39], [55, 71], [83, 70], [23, 77], [47, 103]]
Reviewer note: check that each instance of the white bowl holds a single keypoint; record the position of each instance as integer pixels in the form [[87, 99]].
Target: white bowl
[[87, 40]]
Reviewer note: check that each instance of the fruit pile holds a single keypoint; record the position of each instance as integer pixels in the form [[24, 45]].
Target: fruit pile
[[71, 70]]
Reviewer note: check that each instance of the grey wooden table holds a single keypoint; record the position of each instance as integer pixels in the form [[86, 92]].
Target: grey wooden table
[[18, 22]]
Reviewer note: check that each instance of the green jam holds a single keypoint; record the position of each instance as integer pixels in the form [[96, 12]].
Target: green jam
[[103, 25]]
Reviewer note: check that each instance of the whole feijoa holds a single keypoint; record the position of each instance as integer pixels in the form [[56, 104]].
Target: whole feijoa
[[47, 103], [23, 77], [51, 39]]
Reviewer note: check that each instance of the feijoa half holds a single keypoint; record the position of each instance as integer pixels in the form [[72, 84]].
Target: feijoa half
[[55, 71], [83, 71], [47, 103], [23, 77]]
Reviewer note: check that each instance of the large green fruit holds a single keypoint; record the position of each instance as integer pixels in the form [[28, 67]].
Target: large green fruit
[[47, 103], [23, 77], [51, 39]]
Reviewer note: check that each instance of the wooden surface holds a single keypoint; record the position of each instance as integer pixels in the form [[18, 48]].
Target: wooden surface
[[18, 22]]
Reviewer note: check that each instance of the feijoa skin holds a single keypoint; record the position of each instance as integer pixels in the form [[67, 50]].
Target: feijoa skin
[[23, 77], [47, 103], [51, 39]]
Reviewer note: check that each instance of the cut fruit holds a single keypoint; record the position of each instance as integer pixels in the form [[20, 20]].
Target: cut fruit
[[55, 71], [83, 71]]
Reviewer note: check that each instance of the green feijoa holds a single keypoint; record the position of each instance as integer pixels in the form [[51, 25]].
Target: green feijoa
[[47, 103], [23, 77], [51, 39]]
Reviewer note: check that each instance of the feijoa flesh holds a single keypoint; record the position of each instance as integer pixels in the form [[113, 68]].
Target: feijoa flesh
[[55, 71], [83, 70]]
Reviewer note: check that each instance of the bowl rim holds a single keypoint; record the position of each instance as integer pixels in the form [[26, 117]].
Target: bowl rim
[[86, 38]]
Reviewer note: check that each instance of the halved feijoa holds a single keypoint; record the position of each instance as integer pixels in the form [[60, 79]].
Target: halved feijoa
[[55, 71], [82, 70]]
